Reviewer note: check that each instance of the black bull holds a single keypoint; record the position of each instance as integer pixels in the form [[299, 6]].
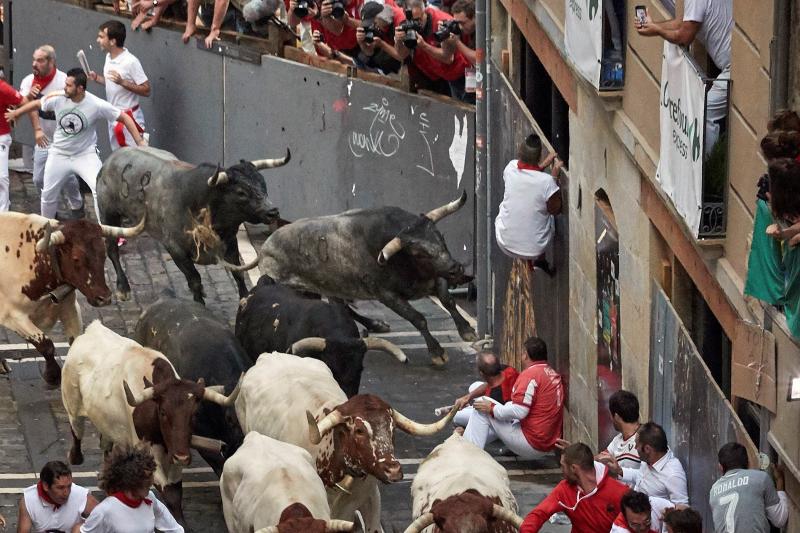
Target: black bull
[[385, 254], [194, 211]]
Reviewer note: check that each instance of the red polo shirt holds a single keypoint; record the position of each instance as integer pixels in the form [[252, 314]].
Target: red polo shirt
[[9, 96], [433, 68]]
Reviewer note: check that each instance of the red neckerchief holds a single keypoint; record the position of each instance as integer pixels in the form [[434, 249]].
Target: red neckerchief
[[526, 166], [44, 81], [45, 497], [131, 502]]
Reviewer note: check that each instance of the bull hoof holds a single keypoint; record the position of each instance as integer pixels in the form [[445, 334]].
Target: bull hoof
[[468, 335], [75, 457], [439, 361], [123, 296], [52, 375], [379, 326]]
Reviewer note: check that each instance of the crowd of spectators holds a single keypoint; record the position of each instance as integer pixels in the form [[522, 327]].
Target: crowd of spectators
[[435, 40]]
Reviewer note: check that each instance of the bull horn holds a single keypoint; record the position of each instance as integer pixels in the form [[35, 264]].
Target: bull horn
[[114, 231], [204, 443], [239, 268], [420, 523], [317, 429], [220, 399], [133, 399], [415, 428], [391, 248], [338, 525], [219, 177], [374, 343], [309, 344], [51, 238], [501, 513], [447, 209], [261, 164]]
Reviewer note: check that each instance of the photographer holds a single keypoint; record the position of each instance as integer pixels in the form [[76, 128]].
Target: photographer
[[337, 24], [464, 13], [325, 50], [300, 11], [375, 37], [443, 66]]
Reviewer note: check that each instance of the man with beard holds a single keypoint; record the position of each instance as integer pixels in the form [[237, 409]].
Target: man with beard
[[45, 79], [587, 494], [74, 148], [55, 503]]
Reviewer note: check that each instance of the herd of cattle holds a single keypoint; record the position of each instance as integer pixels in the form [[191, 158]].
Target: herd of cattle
[[274, 406]]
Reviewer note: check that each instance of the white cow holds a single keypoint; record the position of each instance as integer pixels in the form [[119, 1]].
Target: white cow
[[296, 400], [39, 256], [133, 394], [263, 478], [462, 489]]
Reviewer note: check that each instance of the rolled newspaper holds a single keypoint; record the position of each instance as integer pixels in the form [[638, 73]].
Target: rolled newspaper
[[84, 63], [441, 411]]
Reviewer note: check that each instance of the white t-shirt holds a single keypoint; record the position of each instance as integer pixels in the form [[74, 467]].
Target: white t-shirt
[[523, 226], [45, 517], [75, 123], [716, 18], [127, 66], [56, 84], [113, 516], [625, 452]]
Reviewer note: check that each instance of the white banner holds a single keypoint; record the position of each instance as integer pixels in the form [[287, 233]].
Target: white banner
[[682, 104], [583, 35]]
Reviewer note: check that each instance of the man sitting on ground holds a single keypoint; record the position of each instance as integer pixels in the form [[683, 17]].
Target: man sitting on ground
[[55, 503], [530, 424], [498, 382]]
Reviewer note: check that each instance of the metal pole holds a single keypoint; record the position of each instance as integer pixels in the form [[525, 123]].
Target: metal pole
[[481, 200], [487, 95]]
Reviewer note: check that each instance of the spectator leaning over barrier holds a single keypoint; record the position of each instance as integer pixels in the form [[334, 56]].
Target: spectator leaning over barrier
[[442, 69], [683, 521], [124, 79], [375, 37], [126, 477], [463, 12], [530, 424], [337, 23], [661, 473], [587, 494], [140, 8], [744, 499], [525, 223], [710, 21], [55, 503], [640, 513], [326, 51]]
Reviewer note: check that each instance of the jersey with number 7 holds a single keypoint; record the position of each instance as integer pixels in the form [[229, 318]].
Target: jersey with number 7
[[741, 500]]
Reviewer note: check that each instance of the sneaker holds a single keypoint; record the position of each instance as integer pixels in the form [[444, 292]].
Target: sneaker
[[121, 241]]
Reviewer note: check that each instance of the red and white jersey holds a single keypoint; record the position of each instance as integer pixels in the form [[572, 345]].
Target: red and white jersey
[[625, 452], [539, 388]]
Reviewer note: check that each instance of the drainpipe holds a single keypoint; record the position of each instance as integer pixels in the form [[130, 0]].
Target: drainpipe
[[482, 270], [487, 93]]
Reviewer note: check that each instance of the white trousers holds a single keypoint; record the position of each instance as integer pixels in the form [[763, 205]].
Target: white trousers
[[113, 128], [483, 429], [71, 189], [716, 108], [462, 417], [57, 172], [5, 145]]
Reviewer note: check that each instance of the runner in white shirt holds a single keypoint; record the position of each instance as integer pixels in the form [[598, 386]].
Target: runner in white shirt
[[74, 147], [710, 21], [525, 225], [130, 507], [55, 503], [46, 78], [124, 79], [624, 408]]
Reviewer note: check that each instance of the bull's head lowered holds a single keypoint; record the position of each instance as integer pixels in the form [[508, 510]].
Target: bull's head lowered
[[163, 411], [362, 440], [296, 518], [243, 193], [468, 512], [426, 247], [74, 253]]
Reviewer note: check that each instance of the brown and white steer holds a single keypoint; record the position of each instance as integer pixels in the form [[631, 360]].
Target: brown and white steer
[[39, 255], [296, 400], [132, 394], [263, 479], [459, 488]]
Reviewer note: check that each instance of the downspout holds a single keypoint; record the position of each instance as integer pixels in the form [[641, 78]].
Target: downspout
[[779, 54], [487, 81], [482, 269]]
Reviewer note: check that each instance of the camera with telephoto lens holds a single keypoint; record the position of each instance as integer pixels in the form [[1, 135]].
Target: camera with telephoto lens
[[369, 33], [448, 27], [411, 27], [337, 9], [301, 10]]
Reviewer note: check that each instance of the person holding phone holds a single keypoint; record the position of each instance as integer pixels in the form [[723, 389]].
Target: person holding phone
[[710, 21]]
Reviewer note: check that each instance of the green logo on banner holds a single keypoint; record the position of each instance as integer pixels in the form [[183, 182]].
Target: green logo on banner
[[593, 5], [687, 126]]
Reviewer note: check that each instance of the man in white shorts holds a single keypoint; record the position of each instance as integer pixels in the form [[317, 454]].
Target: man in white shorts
[[45, 79], [124, 79], [55, 503], [74, 148]]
